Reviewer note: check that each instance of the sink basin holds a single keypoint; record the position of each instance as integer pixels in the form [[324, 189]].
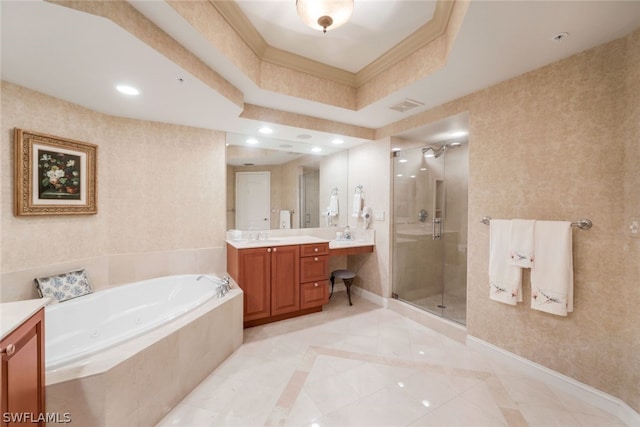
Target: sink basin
[[261, 242]]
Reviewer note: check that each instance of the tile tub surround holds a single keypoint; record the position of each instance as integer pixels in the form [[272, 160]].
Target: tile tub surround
[[365, 365], [138, 382]]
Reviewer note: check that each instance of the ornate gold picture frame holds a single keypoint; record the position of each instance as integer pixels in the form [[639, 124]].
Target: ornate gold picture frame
[[54, 176]]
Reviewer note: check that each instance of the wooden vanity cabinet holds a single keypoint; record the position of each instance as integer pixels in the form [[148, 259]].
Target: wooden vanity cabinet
[[280, 281], [22, 370]]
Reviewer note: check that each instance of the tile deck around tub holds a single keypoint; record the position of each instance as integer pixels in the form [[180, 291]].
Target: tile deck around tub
[[368, 366]]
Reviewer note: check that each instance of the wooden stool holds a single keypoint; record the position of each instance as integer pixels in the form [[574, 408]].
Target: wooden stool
[[347, 277]]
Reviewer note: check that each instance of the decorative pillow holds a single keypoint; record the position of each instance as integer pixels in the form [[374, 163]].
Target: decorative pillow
[[63, 287]]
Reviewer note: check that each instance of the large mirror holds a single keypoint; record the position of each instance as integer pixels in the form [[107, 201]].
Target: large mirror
[[299, 190]]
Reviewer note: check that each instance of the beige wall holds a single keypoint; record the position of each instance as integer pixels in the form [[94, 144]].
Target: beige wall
[[372, 270], [562, 143], [158, 192]]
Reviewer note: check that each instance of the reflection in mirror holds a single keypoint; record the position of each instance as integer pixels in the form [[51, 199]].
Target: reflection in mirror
[[300, 184]]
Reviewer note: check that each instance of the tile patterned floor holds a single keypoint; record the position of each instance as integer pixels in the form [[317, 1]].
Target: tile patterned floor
[[368, 366]]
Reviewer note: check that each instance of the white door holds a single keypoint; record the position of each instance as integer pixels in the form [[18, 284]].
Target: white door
[[253, 200]]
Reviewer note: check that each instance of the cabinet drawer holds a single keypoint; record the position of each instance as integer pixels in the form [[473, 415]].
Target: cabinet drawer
[[314, 268], [314, 249], [313, 294]]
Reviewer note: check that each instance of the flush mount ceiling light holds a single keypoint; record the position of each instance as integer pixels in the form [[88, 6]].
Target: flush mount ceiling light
[[324, 14]]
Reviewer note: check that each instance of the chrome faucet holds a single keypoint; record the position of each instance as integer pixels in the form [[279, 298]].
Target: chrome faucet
[[223, 286]]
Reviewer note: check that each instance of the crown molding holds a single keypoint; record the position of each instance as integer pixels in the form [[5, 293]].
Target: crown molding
[[424, 35], [417, 40]]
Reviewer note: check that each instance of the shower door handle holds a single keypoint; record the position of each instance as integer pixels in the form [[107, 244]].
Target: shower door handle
[[436, 230]]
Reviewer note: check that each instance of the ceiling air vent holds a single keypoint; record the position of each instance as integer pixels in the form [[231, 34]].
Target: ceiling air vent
[[406, 105]]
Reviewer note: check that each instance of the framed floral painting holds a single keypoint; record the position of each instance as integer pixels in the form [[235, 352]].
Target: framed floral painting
[[53, 175]]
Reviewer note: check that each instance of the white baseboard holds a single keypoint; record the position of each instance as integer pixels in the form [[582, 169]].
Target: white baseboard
[[575, 388]]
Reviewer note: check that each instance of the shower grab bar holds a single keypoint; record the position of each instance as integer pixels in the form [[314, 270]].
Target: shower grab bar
[[582, 224]]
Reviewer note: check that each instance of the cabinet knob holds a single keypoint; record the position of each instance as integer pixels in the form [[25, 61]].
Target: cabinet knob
[[10, 349], [268, 249], [315, 249], [315, 259], [315, 284], [275, 249]]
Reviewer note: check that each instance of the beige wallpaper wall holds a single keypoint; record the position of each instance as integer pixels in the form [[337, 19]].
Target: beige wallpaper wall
[[561, 143], [158, 211]]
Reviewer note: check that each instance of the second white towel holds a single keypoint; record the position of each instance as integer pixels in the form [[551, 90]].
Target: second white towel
[[552, 274], [285, 219], [357, 205], [333, 205]]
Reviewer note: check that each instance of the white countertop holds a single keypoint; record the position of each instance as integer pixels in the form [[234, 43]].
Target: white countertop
[[13, 314], [275, 241], [296, 240]]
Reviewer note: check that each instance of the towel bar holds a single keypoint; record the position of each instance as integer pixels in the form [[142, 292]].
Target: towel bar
[[582, 224]]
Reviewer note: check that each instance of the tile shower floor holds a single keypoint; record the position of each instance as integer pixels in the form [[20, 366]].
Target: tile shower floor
[[368, 366]]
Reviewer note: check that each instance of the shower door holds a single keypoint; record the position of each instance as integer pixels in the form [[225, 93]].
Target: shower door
[[429, 236]]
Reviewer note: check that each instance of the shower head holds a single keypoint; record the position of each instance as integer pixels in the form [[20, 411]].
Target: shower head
[[434, 151]]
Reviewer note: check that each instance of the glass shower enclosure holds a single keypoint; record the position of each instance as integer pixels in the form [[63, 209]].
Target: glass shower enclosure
[[430, 188]]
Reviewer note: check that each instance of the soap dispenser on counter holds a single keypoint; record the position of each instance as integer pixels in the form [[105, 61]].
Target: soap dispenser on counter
[[347, 233]]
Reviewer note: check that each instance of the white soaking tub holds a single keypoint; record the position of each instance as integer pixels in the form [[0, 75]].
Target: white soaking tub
[[128, 354]]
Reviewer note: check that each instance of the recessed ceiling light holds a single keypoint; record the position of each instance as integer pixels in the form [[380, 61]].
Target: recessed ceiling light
[[560, 36], [395, 149], [252, 141], [399, 175], [338, 141], [128, 90], [316, 149], [423, 169], [265, 130], [403, 160], [413, 176]]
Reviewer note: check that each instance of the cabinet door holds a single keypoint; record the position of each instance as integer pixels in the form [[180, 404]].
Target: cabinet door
[[285, 279], [254, 278], [314, 268], [22, 371]]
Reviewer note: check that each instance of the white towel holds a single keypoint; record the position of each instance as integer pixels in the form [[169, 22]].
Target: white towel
[[505, 280], [552, 274], [285, 219], [357, 205], [333, 205], [521, 242]]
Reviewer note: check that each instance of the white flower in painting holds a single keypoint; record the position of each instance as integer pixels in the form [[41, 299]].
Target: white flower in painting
[[71, 163], [45, 157], [55, 173]]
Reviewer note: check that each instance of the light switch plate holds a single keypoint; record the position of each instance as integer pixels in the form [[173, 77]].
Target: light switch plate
[[378, 215]]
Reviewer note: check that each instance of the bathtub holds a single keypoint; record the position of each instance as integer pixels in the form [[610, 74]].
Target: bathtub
[[106, 351], [92, 323]]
